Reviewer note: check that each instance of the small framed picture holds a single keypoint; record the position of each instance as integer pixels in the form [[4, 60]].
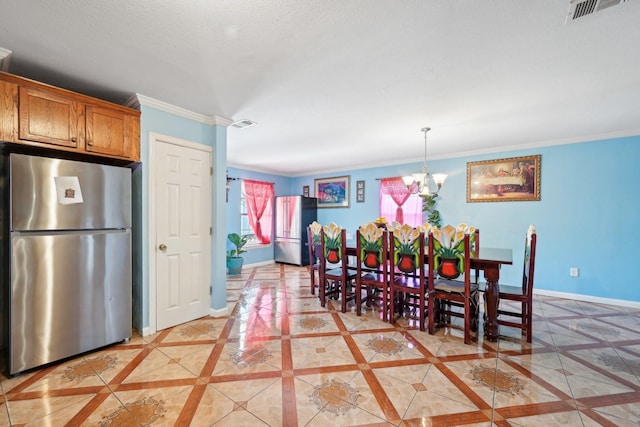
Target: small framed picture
[[359, 191], [305, 191], [332, 192]]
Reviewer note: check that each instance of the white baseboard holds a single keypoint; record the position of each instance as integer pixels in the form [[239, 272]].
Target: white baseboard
[[218, 312], [588, 298], [258, 264], [213, 312]]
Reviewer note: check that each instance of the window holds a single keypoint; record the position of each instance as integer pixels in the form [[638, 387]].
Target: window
[[256, 211], [398, 204], [245, 228]]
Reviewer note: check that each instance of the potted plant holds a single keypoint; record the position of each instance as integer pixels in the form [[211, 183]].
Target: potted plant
[[431, 211], [234, 260]]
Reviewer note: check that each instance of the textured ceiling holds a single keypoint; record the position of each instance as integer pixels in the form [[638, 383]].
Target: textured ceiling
[[342, 84]]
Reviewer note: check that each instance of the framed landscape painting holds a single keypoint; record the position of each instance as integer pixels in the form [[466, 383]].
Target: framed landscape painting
[[513, 179], [332, 192]]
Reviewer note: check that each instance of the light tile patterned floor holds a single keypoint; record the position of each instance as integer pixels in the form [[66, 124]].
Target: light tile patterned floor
[[280, 359]]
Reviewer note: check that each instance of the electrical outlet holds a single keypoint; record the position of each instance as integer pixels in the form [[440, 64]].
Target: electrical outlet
[[574, 272]]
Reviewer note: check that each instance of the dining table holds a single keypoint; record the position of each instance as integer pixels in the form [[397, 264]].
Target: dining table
[[489, 261]]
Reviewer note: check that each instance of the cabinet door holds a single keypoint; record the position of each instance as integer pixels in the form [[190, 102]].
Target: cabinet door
[[51, 119], [110, 132], [8, 112]]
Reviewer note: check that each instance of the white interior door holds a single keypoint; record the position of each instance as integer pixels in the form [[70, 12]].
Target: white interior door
[[183, 240]]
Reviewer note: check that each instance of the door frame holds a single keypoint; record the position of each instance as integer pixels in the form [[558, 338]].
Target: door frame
[[155, 138]]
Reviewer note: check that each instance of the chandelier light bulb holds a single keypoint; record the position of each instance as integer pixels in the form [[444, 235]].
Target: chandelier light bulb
[[422, 179]]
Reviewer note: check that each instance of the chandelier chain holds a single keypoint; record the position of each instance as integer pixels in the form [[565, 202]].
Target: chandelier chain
[[420, 182]]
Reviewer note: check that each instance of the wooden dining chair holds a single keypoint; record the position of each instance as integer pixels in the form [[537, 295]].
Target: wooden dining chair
[[474, 241], [372, 267], [407, 287], [314, 246], [474, 237], [521, 294], [337, 280], [450, 288]]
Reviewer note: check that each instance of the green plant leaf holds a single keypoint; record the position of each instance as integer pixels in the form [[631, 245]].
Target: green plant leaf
[[429, 208], [239, 242]]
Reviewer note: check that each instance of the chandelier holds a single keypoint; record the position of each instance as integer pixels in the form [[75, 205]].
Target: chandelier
[[424, 183]]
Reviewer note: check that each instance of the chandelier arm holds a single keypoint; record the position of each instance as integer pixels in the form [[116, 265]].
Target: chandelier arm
[[422, 180]]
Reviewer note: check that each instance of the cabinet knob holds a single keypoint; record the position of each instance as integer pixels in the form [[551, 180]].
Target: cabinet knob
[[74, 139], [90, 143], [162, 247]]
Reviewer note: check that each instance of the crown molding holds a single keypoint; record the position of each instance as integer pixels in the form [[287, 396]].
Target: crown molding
[[471, 153], [538, 144], [5, 58], [138, 100]]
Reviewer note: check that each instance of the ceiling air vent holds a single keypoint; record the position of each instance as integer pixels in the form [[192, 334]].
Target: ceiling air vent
[[580, 8], [244, 123]]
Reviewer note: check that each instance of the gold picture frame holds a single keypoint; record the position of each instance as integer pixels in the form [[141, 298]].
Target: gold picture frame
[[513, 179]]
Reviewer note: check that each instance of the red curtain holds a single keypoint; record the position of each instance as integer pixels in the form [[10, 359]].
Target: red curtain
[[399, 194], [258, 196]]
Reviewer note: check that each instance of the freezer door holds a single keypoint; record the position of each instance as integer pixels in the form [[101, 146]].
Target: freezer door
[[70, 293], [55, 194], [288, 250]]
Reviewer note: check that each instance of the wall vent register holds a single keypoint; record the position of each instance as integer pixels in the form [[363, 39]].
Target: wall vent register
[[580, 8]]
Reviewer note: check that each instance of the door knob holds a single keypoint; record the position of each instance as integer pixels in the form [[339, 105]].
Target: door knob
[[162, 247]]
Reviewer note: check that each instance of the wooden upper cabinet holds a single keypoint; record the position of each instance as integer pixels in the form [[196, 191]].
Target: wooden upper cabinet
[[50, 119], [110, 132], [36, 114]]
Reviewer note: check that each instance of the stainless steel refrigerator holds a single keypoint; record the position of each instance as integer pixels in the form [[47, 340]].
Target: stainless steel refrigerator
[[293, 216], [70, 259]]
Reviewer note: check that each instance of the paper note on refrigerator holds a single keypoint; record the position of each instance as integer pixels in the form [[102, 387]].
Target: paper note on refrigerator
[[68, 189]]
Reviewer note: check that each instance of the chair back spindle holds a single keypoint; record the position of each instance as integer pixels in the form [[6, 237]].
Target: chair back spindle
[[314, 246]]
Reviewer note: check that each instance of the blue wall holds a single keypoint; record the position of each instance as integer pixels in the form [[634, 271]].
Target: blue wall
[[157, 121], [282, 187], [586, 218]]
